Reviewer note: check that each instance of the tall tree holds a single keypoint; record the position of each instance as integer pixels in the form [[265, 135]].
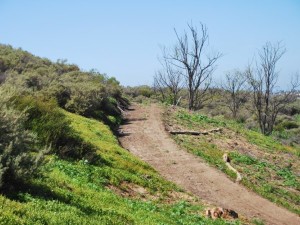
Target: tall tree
[[188, 57], [263, 80]]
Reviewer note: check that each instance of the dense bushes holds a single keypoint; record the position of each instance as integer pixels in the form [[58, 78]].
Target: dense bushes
[[19, 153], [33, 116], [44, 87], [79, 92], [142, 90], [52, 127], [44, 118], [286, 125], [86, 93]]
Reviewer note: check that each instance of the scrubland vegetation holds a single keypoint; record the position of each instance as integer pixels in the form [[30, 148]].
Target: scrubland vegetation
[[60, 162]]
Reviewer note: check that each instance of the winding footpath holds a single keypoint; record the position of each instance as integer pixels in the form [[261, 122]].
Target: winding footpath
[[144, 135]]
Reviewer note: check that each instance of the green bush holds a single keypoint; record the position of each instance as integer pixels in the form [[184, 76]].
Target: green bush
[[145, 91], [19, 154], [45, 119], [286, 125], [52, 127], [292, 109], [110, 106], [137, 91], [290, 125], [73, 147]]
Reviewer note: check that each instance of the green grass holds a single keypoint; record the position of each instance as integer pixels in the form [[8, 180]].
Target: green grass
[[205, 150], [268, 143], [273, 174], [76, 192], [200, 119], [270, 180]]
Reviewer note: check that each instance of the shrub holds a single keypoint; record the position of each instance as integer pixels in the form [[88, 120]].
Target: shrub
[[286, 125], [45, 119], [110, 106], [79, 92], [290, 125], [292, 109], [76, 91], [73, 147], [19, 154], [143, 90], [61, 93], [52, 127]]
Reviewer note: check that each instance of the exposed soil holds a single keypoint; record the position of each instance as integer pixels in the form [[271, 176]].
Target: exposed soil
[[144, 135], [135, 191]]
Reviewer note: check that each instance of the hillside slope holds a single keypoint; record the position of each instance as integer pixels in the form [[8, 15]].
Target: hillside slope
[[268, 167], [123, 190]]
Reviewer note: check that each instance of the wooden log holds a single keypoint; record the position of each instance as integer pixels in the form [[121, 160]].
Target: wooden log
[[185, 132], [188, 132]]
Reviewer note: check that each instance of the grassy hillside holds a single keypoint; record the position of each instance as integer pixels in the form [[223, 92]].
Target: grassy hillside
[[123, 190], [268, 167]]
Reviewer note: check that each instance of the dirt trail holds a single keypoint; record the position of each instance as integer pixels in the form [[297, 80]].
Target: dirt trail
[[144, 135]]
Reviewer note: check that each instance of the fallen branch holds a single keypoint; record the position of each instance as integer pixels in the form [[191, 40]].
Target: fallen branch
[[196, 132], [185, 132], [122, 111]]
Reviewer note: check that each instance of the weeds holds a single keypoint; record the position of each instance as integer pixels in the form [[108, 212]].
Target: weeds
[[201, 119]]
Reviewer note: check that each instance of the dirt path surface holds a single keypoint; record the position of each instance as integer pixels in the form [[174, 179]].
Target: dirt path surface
[[144, 135]]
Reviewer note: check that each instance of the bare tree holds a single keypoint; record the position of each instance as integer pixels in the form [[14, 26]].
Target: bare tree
[[234, 86], [189, 59], [263, 80], [159, 89], [168, 80]]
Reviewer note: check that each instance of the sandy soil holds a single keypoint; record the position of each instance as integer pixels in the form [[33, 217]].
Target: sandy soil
[[144, 135]]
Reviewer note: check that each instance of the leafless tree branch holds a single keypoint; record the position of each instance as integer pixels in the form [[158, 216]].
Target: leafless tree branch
[[188, 58], [267, 102]]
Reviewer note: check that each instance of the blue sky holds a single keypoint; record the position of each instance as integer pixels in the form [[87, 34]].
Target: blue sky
[[122, 38]]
